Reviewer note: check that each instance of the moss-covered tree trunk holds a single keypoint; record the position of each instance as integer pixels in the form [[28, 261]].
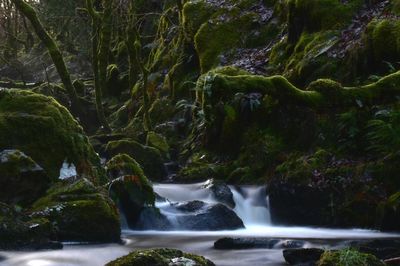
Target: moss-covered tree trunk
[[136, 62], [96, 24], [322, 94], [55, 53]]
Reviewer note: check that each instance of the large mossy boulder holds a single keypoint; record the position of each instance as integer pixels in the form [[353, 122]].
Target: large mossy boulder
[[148, 157], [22, 180], [129, 188], [218, 28], [160, 257], [19, 232], [348, 257], [45, 131], [80, 212]]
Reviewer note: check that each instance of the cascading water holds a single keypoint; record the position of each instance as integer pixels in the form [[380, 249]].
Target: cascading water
[[251, 202], [252, 205]]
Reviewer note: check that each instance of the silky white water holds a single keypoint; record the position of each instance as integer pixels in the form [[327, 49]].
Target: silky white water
[[251, 206]]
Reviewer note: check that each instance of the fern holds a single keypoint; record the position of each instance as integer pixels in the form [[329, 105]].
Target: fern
[[384, 132]]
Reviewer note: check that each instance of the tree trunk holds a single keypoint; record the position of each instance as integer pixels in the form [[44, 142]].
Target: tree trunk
[[53, 50], [96, 21], [322, 94]]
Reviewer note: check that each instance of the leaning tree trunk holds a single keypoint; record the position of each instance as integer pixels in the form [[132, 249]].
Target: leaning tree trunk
[[96, 21], [55, 53]]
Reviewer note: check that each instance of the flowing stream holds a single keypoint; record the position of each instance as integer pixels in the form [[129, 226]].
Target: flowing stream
[[251, 205]]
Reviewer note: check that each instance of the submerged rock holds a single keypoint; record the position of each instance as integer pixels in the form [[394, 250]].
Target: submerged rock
[[303, 256], [254, 243], [161, 257], [80, 212], [19, 232], [22, 180]]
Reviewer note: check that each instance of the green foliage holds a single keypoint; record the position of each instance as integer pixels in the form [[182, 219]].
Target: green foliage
[[384, 132]]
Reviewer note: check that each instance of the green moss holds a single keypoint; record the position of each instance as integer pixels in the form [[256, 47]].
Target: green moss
[[157, 141], [316, 15], [213, 39], [20, 232], [80, 212], [22, 181], [162, 110], [148, 157], [300, 169], [195, 13], [347, 257], [45, 131], [134, 180], [160, 257], [382, 39]]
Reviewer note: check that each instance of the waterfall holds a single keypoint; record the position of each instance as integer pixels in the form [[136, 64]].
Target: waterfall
[[251, 202], [251, 205]]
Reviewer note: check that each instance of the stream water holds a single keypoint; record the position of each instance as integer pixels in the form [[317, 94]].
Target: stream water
[[251, 206]]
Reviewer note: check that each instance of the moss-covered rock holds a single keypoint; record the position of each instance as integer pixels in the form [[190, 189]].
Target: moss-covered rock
[[80, 212], [316, 15], [22, 180], [160, 257], [158, 141], [348, 257], [219, 29], [129, 188], [148, 157], [382, 43], [19, 232], [46, 132]]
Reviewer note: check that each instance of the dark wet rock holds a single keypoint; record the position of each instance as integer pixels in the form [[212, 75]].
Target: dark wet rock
[[79, 212], [303, 256], [191, 206], [22, 180], [151, 218], [244, 243], [221, 192], [210, 217], [161, 257], [253, 243], [19, 232], [292, 204], [193, 215], [381, 248]]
